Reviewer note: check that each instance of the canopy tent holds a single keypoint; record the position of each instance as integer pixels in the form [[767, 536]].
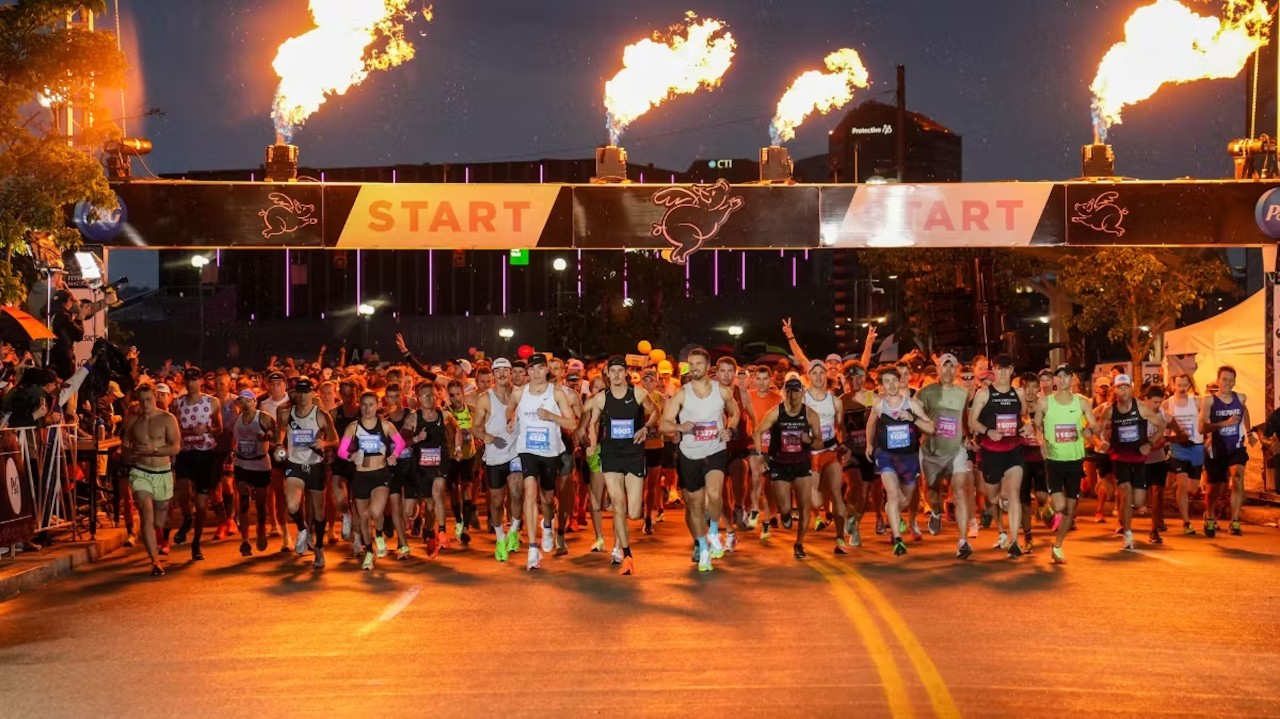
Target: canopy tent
[[1236, 337]]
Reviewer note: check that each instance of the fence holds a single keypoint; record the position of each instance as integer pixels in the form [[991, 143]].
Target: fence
[[39, 493]]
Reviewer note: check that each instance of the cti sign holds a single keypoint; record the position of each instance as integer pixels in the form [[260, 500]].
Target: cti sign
[[720, 164]]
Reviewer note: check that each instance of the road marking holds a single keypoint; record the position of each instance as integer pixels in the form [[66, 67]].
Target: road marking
[[939, 695], [873, 639], [391, 611], [1158, 555]]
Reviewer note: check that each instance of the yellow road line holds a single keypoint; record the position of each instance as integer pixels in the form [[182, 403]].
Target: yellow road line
[[874, 641], [939, 695]]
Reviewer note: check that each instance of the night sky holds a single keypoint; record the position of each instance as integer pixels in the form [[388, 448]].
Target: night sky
[[523, 79]]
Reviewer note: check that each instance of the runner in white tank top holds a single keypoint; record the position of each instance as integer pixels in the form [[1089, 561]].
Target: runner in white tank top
[[501, 458]]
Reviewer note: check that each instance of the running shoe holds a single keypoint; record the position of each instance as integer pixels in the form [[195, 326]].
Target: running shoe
[[798, 551], [731, 541], [180, 537], [1058, 556], [1027, 544], [1188, 530], [695, 552], [598, 545], [648, 525], [628, 566], [1235, 529], [221, 532], [855, 537], [1155, 537], [840, 546], [739, 518], [963, 551], [753, 519], [764, 530], [1046, 515], [899, 547], [300, 546], [1014, 550], [286, 546], [380, 544], [881, 527], [535, 559], [986, 519], [561, 547], [500, 552], [130, 540], [786, 522], [819, 523], [417, 526], [704, 560], [935, 524], [466, 538], [157, 570], [1210, 528], [513, 542], [402, 552], [548, 540], [1128, 541], [1119, 531], [973, 528], [245, 550], [346, 526], [716, 546], [902, 526], [458, 529], [367, 564], [433, 547], [916, 536], [196, 554], [1001, 541], [318, 563], [163, 549], [1098, 518], [262, 542], [662, 517], [673, 498], [1160, 526], [616, 556]]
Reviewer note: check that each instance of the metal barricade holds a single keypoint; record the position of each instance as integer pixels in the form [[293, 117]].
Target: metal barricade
[[37, 465]]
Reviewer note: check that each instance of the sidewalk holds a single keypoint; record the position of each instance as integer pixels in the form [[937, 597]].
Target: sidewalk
[[31, 570]]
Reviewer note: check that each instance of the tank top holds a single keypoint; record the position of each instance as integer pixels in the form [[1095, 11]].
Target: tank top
[[1157, 454], [342, 421], [619, 422], [371, 442], [946, 407], [1187, 415], [192, 415], [707, 416], [463, 418], [787, 445], [301, 433], [496, 425], [408, 450], [1128, 433], [855, 429], [1226, 439], [1003, 412], [537, 436], [270, 405], [896, 436], [1063, 429], [740, 439], [430, 452], [249, 446], [826, 409]]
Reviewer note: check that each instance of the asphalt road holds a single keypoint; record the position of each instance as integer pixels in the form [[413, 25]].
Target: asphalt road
[[1185, 629]]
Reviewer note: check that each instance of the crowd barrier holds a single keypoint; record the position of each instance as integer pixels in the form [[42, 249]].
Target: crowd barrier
[[39, 491]]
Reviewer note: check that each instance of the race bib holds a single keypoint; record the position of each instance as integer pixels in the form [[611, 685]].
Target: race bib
[[705, 431], [828, 432], [537, 438], [1066, 433], [897, 436], [247, 448], [1232, 431], [947, 427], [858, 440], [304, 437], [515, 466], [622, 428], [766, 440], [371, 445], [1128, 433], [792, 441], [466, 436], [429, 457], [1007, 424]]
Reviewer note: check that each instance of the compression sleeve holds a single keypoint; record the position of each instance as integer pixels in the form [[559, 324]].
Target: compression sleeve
[[397, 444], [344, 448]]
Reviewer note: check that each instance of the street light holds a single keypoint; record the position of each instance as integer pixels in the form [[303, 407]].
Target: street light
[[735, 331], [506, 333], [560, 264], [200, 262], [365, 311]]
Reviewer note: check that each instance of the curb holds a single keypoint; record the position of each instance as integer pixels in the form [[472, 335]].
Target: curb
[[32, 570]]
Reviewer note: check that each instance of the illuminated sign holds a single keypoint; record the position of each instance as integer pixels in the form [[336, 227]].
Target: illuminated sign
[[720, 164], [881, 130]]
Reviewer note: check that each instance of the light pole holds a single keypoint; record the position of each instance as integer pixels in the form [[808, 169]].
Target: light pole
[[560, 264], [199, 262], [735, 331], [365, 311]]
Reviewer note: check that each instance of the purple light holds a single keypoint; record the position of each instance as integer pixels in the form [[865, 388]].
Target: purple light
[[466, 174], [505, 259], [673, 178], [782, 253], [715, 283], [431, 282], [686, 279], [793, 272], [359, 284], [806, 255], [251, 177], [287, 304], [642, 178], [217, 257], [393, 174], [322, 175], [626, 292], [542, 173], [744, 271], [579, 274]]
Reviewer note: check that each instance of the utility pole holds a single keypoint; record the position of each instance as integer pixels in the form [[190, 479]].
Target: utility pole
[[902, 123]]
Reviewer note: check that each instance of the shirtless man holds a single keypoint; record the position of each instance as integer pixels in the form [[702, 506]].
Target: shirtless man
[[151, 441]]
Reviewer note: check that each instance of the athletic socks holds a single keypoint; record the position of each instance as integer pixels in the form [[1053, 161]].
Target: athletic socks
[[298, 521], [715, 527], [502, 534], [702, 543], [515, 526]]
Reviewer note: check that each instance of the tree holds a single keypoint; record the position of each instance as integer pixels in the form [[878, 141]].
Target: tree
[[1135, 294], [42, 169]]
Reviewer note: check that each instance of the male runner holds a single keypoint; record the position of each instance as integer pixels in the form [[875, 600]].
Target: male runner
[[995, 418], [1063, 421], [462, 469], [1187, 451], [894, 427], [343, 471], [1127, 442], [702, 412], [305, 432], [197, 466], [251, 434], [653, 451], [827, 465], [395, 411], [794, 430], [277, 396], [738, 447], [501, 460], [151, 440], [943, 455], [1224, 418], [859, 472], [764, 397]]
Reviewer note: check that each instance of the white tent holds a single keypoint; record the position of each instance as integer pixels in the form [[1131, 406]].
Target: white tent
[[1236, 337]]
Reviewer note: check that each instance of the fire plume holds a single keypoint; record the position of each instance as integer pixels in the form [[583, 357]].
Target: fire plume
[[820, 91], [691, 55], [351, 38], [1166, 42]]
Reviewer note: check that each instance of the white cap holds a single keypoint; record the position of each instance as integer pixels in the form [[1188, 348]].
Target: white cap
[[948, 357], [1123, 379], [163, 388], [816, 363], [833, 357], [465, 365], [501, 363]]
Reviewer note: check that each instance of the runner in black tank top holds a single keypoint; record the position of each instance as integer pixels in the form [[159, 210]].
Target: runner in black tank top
[[794, 431]]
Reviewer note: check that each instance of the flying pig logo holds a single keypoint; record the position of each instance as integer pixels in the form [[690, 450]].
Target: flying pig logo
[[285, 216], [1101, 214], [694, 215]]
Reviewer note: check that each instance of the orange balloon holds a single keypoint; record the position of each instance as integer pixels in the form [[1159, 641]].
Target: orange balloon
[[644, 347], [657, 355]]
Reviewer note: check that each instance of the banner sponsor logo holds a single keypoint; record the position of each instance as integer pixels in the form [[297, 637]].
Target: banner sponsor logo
[[285, 216], [457, 216], [958, 215], [1267, 214], [1101, 214], [694, 215], [100, 225]]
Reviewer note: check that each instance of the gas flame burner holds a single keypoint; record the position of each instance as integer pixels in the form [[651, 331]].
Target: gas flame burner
[[282, 162], [611, 164], [775, 165], [1097, 161]]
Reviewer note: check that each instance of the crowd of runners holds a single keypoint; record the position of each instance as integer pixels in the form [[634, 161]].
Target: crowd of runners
[[397, 458]]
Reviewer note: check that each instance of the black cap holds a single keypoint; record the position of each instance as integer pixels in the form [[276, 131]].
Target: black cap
[[1002, 360], [191, 373], [275, 376], [617, 361], [793, 385], [1065, 368], [304, 385], [62, 295], [537, 359]]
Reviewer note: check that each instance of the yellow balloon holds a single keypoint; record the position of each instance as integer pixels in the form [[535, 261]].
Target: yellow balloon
[[644, 347], [657, 355]]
